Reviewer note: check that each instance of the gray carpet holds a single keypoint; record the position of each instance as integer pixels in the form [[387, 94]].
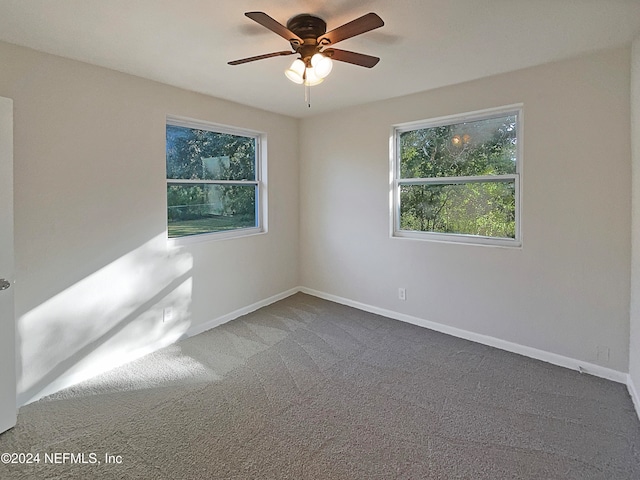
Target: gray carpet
[[308, 389]]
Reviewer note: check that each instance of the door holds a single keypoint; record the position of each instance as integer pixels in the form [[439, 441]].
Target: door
[[7, 316]]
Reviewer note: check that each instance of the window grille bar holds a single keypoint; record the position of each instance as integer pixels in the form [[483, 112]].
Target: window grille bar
[[457, 180], [175, 181]]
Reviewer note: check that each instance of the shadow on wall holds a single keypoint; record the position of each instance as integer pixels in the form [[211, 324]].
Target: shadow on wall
[[135, 305]]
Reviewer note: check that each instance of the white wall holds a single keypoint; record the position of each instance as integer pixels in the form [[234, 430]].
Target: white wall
[[93, 269], [634, 345], [566, 291]]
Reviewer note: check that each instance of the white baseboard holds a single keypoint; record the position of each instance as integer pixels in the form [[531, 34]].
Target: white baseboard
[[634, 394], [553, 358], [203, 327]]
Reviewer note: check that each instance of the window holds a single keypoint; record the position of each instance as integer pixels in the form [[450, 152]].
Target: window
[[457, 178], [213, 180]]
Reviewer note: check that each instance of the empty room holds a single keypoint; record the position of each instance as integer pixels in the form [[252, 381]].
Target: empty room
[[338, 239]]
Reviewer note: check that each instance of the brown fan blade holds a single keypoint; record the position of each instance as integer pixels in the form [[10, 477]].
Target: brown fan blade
[[260, 57], [352, 57], [365, 23], [273, 25]]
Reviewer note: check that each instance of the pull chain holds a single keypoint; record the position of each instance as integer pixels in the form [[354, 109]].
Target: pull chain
[[307, 89]]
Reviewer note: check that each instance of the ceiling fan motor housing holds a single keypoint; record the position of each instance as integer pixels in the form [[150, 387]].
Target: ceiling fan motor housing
[[307, 27]]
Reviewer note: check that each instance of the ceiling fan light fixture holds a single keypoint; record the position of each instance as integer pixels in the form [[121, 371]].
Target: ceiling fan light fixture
[[311, 78], [321, 65], [295, 72]]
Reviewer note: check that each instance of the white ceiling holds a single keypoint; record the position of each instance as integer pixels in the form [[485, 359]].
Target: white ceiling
[[424, 44]]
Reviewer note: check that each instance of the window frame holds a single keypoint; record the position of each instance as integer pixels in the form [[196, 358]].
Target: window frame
[[259, 182], [396, 182]]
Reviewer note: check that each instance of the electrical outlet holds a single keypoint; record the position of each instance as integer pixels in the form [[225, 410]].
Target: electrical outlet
[[167, 314], [402, 294]]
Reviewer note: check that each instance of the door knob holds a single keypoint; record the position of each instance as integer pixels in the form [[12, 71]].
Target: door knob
[[4, 284]]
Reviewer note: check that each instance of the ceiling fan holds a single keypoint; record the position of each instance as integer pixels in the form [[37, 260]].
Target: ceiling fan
[[309, 38]]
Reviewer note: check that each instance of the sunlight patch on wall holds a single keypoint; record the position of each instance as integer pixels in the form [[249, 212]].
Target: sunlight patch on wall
[[131, 307]]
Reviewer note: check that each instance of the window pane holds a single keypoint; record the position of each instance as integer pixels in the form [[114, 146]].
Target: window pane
[[481, 147], [205, 208], [482, 208], [205, 155]]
